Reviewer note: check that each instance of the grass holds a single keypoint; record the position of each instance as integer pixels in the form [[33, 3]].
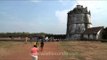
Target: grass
[[6, 47], [74, 50], [84, 50], [9, 44]]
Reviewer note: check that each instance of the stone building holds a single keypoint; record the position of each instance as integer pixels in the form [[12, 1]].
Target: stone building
[[78, 22], [93, 33]]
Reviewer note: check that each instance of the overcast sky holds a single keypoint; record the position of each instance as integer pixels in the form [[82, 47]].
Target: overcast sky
[[45, 15]]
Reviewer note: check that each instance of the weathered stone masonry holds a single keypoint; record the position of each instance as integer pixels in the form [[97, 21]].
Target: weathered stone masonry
[[78, 21]]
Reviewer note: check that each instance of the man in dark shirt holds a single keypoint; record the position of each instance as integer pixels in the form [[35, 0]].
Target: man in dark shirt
[[42, 43]]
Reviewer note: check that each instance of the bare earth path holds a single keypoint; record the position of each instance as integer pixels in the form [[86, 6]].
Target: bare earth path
[[51, 52], [22, 52]]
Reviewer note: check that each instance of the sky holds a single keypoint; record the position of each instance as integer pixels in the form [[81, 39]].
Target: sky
[[48, 16]]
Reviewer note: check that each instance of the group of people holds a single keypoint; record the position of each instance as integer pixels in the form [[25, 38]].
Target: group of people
[[36, 48]]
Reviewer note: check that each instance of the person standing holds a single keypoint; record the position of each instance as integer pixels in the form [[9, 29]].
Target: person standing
[[26, 39], [34, 52], [46, 39]]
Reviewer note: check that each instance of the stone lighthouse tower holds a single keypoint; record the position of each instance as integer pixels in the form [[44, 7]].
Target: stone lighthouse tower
[[78, 20]]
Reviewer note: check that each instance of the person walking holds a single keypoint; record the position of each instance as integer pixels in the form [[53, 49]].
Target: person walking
[[34, 52], [42, 43]]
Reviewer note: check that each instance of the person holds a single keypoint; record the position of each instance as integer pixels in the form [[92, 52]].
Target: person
[[26, 39], [46, 38], [37, 41], [42, 43], [34, 52]]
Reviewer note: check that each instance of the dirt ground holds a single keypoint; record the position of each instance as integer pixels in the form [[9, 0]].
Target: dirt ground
[[69, 50], [21, 51]]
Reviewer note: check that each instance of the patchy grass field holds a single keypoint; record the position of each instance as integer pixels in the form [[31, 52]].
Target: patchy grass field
[[8, 48], [72, 50], [21, 51], [84, 50]]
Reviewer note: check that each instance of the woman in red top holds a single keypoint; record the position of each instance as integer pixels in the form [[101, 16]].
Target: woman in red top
[[34, 53]]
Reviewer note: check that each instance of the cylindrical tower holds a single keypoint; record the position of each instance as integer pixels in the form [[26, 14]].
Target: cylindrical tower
[[78, 20]]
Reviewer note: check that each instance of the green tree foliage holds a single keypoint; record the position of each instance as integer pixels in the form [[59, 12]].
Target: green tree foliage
[[30, 35]]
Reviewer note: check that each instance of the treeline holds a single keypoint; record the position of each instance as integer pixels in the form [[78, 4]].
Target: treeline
[[30, 35], [56, 36]]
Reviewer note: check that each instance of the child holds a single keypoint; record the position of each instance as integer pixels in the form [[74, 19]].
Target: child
[[34, 52]]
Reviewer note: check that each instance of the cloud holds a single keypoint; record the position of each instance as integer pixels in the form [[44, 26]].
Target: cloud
[[93, 4], [62, 20], [98, 11], [62, 16]]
